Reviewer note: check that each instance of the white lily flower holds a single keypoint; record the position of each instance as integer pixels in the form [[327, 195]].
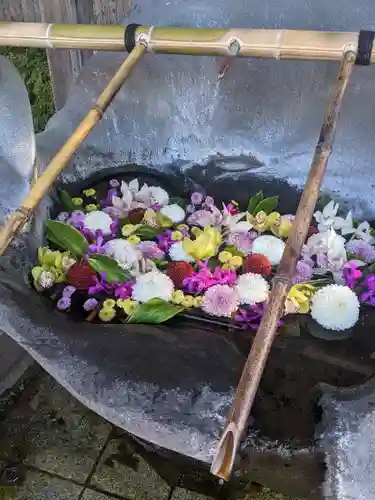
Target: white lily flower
[[234, 223], [345, 225], [363, 232], [326, 218]]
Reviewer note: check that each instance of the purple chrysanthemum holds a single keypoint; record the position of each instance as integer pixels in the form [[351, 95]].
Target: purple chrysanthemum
[[220, 300], [68, 291], [362, 250], [64, 303], [242, 240], [90, 304], [304, 272], [196, 198]]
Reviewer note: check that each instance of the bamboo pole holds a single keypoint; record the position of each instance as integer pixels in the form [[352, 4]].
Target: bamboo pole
[[263, 43], [42, 185], [225, 454]]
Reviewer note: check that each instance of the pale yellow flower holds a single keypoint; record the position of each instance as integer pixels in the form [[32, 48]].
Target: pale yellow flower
[[77, 201], [91, 207], [302, 293], [127, 305], [259, 221], [206, 245], [177, 236], [89, 192], [198, 301], [236, 261], [134, 240], [109, 304], [106, 314], [177, 297], [225, 257], [188, 301], [128, 229]]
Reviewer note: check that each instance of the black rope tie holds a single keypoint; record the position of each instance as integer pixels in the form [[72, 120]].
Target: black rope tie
[[365, 41], [129, 36]]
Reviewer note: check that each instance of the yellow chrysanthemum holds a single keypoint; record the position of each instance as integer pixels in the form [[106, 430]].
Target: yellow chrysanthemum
[[106, 314], [77, 201], [109, 304], [177, 297], [177, 236], [225, 257], [134, 239], [127, 305], [89, 192], [198, 301], [91, 207], [188, 301]]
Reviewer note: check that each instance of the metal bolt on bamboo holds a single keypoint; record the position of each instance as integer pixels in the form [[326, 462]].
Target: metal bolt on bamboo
[[228, 445], [42, 185]]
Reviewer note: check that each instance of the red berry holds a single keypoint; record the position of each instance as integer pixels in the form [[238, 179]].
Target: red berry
[[258, 264], [81, 276], [178, 271]]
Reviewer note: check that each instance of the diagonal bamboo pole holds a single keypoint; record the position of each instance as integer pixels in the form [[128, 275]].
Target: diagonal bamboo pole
[[227, 448], [42, 185]]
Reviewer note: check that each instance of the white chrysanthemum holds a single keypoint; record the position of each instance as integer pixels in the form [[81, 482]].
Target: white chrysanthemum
[[252, 288], [173, 212], [98, 220], [125, 253], [177, 252], [269, 246], [152, 285], [335, 307]]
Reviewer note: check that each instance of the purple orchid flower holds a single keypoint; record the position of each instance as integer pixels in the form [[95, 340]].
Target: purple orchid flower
[[251, 316], [165, 240], [101, 285], [98, 245], [107, 202], [368, 297], [124, 291], [205, 278], [351, 275]]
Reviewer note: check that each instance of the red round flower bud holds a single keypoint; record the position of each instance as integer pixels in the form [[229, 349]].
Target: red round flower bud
[[81, 276], [178, 271], [258, 264]]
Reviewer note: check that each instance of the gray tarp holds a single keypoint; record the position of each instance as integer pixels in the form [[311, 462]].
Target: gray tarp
[[174, 387]]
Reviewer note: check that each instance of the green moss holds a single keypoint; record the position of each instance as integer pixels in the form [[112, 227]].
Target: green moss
[[33, 66]]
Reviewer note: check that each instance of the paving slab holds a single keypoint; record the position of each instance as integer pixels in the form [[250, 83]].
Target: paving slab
[[95, 495], [123, 472], [40, 486], [182, 494], [64, 437]]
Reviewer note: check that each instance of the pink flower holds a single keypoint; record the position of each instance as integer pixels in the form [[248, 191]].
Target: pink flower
[[220, 300], [205, 278], [243, 241], [124, 291], [150, 250], [205, 218]]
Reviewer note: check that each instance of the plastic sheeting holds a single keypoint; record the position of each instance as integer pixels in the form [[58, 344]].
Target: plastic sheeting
[[256, 127]]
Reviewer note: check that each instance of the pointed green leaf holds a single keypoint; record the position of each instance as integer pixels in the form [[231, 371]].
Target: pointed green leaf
[[67, 238], [254, 202], [66, 201], [267, 205], [111, 268], [154, 311], [147, 232]]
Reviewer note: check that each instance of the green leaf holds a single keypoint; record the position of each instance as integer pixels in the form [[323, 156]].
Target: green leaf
[[254, 202], [267, 205], [66, 201], [111, 268], [147, 232], [233, 250], [154, 311], [163, 220], [67, 238]]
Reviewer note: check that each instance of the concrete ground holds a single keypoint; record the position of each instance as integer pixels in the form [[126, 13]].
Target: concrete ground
[[54, 448]]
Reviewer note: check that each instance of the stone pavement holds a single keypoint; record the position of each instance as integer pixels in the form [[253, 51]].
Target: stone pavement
[[60, 450]]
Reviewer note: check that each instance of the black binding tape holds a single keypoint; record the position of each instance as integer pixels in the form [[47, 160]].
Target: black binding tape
[[365, 41], [129, 36]]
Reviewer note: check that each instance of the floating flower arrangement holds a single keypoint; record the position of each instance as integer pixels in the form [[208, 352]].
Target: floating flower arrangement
[[138, 256]]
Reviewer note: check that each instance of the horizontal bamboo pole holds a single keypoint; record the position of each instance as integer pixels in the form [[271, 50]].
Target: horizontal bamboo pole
[[262, 43], [253, 370], [44, 183]]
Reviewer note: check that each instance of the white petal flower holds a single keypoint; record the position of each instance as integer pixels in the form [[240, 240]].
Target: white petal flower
[[269, 246], [152, 285], [177, 252], [98, 220], [173, 212], [235, 222], [344, 225], [335, 307], [126, 254], [326, 218], [252, 288], [363, 232], [152, 195], [134, 186]]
